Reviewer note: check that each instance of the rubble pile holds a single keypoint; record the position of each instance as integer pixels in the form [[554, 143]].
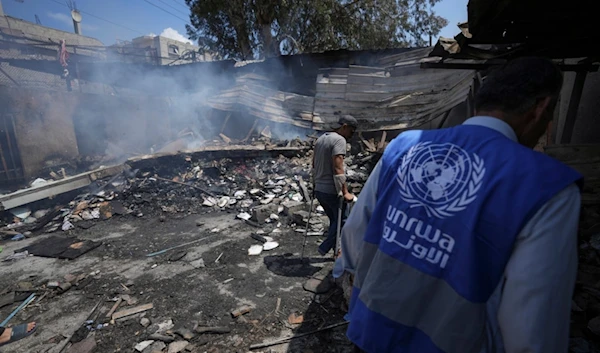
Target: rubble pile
[[256, 189], [585, 308]]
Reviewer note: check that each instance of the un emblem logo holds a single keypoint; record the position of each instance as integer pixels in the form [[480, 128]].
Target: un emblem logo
[[442, 178]]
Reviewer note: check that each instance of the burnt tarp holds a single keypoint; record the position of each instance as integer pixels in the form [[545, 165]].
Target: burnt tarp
[[391, 93]]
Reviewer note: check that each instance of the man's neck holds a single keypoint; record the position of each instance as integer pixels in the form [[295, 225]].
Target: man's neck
[[500, 116]]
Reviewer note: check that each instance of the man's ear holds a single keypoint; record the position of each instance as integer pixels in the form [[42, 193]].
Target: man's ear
[[541, 106]]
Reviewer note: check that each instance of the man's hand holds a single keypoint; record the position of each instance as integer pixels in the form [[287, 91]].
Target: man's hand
[[348, 197]]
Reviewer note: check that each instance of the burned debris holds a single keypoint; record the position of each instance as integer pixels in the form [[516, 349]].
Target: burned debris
[[255, 196]]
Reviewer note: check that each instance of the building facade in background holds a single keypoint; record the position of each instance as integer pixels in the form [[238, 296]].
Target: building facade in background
[[156, 50]]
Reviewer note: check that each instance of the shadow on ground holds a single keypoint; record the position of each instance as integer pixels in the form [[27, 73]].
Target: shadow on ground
[[289, 266], [326, 309]]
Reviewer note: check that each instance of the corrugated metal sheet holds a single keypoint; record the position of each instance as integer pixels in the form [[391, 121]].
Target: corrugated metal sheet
[[396, 95]]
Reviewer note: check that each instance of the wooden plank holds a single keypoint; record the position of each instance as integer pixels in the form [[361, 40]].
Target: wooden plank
[[574, 154], [225, 122], [571, 118], [132, 311], [7, 299], [114, 308]]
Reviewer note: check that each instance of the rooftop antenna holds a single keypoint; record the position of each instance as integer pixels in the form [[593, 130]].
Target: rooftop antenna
[[75, 15], [37, 20]]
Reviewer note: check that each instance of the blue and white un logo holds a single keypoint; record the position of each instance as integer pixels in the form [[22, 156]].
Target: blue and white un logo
[[442, 178]]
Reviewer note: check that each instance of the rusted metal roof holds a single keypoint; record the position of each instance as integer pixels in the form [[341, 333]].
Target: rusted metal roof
[[394, 94]]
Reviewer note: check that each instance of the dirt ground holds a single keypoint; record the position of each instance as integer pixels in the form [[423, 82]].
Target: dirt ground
[[179, 291]]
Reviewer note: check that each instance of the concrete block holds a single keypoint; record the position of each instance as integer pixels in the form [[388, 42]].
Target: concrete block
[[261, 213], [290, 207]]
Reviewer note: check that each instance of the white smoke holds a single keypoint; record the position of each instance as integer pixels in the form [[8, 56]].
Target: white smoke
[[175, 35]]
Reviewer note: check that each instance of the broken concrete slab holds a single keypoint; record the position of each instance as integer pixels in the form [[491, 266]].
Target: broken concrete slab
[[198, 263], [140, 347], [290, 207], [300, 218], [157, 347], [262, 213], [162, 338], [53, 188], [177, 347]]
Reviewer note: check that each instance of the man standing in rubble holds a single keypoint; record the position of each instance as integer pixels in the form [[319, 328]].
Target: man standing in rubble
[[330, 177], [465, 239]]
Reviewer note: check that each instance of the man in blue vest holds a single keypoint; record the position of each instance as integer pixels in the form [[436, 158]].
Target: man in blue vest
[[464, 240]]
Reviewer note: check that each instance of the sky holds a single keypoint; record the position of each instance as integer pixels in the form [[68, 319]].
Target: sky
[[113, 20]]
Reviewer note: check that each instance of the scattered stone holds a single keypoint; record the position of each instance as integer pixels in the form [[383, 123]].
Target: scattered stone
[[223, 201], [162, 338], [199, 223], [185, 333], [198, 263], [300, 218], [145, 322], [165, 326], [157, 347], [143, 345], [191, 348], [262, 213], [241, 311], [317, 286], [63, 287], [177, 347]]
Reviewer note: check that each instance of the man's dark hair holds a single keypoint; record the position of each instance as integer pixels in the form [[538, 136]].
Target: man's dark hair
[[515, 87], [347, 120]]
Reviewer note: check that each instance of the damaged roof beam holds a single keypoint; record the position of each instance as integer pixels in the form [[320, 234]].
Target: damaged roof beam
[[484, 65]]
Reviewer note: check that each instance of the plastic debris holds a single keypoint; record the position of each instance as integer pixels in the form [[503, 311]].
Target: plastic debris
[[244, 215], [255, 250], [270, 245], [21, 212], [38, 182], [18, 237], [67, 226]]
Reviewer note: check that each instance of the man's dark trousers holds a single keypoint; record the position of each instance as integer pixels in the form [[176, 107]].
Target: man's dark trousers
[[331, 204]]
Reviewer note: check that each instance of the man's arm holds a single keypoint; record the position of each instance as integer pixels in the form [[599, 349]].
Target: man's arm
[[356, 225], [540, 277], [338, 171]]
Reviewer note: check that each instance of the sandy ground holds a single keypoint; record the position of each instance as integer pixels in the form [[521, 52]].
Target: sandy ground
[[179, 292]]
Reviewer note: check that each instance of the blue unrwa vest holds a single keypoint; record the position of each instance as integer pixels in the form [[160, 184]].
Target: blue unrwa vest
[[450, 205]]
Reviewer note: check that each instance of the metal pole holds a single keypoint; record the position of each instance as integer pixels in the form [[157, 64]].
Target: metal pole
[[339, 228], [312, 200]]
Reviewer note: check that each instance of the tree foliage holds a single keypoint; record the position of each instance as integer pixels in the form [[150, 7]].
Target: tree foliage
[[248, 29]]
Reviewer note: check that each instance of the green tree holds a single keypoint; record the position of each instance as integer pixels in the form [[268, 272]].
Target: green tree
[[248, 29]]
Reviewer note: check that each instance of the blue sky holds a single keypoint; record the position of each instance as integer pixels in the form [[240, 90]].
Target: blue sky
[[142, 17]]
